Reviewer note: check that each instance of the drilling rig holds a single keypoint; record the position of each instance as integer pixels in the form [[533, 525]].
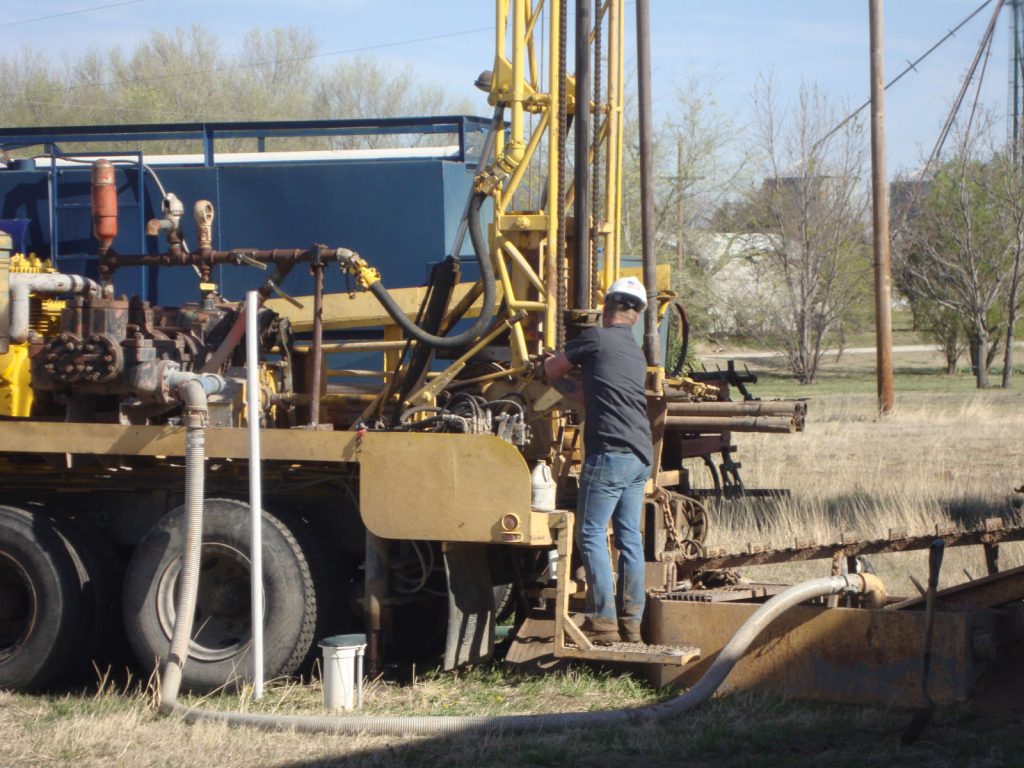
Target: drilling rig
[[402, 293]]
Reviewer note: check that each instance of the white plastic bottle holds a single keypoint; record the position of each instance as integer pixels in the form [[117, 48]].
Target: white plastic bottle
[[542, 498]]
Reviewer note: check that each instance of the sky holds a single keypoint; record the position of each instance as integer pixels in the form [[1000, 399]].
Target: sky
[[726, 44]]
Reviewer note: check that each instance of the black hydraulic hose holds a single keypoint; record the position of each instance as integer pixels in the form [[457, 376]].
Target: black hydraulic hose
[[483, 255]]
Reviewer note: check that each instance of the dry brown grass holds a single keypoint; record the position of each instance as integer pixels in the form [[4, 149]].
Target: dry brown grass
[[941, 458], [739, 731]]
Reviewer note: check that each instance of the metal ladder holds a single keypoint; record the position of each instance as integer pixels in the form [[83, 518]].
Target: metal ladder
[[579, 646]]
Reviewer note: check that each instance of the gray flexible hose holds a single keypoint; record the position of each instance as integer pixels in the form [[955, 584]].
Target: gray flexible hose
[[740, 642], [192, 389], [434, 725]]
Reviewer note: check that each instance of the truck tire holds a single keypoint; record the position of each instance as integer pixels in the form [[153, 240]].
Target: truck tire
[[39, 602], [221, 648], [99, 572]]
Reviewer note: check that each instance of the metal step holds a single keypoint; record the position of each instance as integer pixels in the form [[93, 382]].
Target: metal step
[[533, 647], [637, 653]]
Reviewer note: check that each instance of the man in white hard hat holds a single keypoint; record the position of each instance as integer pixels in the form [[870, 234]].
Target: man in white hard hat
[[617, 442]]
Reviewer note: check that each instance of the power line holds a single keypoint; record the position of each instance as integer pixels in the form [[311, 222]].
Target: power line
[[71, 13], [911, 66]]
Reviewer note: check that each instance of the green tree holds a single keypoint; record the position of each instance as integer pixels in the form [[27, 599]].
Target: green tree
[[956, 252]]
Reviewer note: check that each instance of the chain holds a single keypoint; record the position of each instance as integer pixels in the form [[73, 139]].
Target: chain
[[597, 212], [560, 196]]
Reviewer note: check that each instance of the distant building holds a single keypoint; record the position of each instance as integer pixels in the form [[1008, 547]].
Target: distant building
[[742, 292]]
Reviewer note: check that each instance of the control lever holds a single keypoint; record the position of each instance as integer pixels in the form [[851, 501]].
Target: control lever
[[241, 258], [280, 292]]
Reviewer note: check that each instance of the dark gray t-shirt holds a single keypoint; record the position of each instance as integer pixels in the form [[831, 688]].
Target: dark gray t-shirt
[[614, 369]]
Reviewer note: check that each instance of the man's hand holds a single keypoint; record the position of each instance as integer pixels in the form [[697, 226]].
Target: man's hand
[[537, 363]]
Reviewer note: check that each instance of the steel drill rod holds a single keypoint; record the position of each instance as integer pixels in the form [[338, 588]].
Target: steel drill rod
[[648, 225], [771, 424], [748, 408], [582, 131]]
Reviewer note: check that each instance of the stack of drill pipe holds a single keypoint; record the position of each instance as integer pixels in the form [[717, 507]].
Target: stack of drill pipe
[[775, 416]]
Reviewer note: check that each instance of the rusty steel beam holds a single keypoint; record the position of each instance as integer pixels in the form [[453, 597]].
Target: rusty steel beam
[[773, 424], [986, 592], [852, 546]]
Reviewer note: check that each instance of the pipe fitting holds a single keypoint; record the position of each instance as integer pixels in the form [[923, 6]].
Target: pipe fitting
[[873, 588], [203, 213], [23, 285], [173, 212]]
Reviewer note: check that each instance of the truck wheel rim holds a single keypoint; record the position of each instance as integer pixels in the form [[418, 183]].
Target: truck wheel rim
[[222, 627], [17, 607]]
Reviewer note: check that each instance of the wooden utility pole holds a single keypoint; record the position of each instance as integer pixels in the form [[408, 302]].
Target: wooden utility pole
[[880, 215], [680, 205]]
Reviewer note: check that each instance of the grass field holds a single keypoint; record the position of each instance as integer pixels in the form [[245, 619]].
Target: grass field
[[949, 453]]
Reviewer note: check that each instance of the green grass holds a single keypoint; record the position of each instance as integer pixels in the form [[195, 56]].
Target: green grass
[[854, 373]]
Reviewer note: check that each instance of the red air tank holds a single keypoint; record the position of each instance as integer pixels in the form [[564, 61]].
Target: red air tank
[[104, 204]]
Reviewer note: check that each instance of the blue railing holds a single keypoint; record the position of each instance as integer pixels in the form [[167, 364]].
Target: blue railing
[[463, 126]]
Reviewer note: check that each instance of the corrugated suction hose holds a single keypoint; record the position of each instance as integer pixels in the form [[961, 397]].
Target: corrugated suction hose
[[432, 725]]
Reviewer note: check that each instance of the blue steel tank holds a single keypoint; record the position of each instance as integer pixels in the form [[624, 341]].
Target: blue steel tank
[[399, 205]]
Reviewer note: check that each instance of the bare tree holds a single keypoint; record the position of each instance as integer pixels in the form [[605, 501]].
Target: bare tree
[[187, 75], [813, 209], [367, 87], [1009, 193]]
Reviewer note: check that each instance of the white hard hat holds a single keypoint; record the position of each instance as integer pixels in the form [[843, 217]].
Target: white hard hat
[[630, 288]]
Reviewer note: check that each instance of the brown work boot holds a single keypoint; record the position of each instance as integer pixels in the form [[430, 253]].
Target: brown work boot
[[600, 631], [629, 631]]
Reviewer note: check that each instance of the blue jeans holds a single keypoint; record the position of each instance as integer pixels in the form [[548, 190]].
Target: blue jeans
[[612, 488]]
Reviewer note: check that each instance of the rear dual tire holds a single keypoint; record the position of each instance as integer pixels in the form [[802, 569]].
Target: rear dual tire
[[221, 649], [40, 602]]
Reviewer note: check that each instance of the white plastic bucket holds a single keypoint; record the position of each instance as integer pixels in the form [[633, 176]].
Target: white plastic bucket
[[343, 671]]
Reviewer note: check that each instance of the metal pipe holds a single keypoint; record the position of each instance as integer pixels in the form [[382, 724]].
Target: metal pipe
[[363, 346], [316, 375], [752, 408], [252, 365], [178, 257], [22, 285], [552, 191], [375, 591], [650, 255], [561, 185], [237, 329], [581, 159], [880, 216], [770, 424], [356, 373]]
